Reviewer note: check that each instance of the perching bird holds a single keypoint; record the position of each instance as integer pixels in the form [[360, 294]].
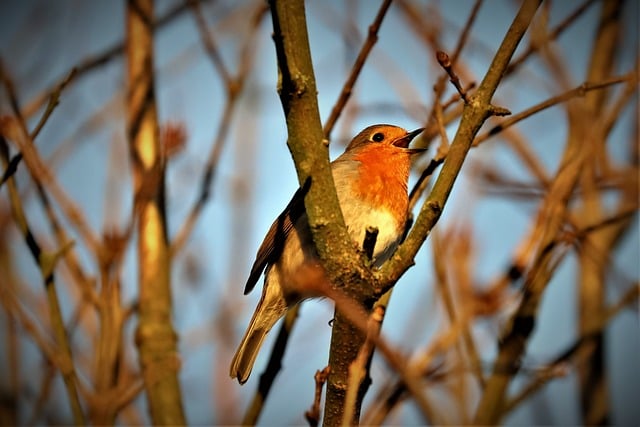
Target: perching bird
[[371, 179]]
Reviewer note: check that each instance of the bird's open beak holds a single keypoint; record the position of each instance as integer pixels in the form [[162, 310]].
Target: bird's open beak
[[405, 140]]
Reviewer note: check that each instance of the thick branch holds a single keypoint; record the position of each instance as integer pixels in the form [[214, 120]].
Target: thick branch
[[344, 266], [473, 116], [298, 95]]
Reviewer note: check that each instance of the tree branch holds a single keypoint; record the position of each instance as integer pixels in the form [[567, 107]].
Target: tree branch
[[474, 115], [347, 88], [155, 336]]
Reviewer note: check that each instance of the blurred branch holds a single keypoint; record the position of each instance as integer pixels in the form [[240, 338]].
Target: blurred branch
[[359, 368], [273, 368], [628, 93], [129, 394], [54, 99], [60, 356], [85, 283], [453, 314], [15, 129], [210, 44], [155, 336], [234, 87], [9, 412], [423, 368], [582, 148], [313, 414], [347, 88], [549, 373], [548, 224], [46, 385], [357, 317], [592, 372], [46, 262], [551, 36], [579, 91], [93, 62], [52, 104]]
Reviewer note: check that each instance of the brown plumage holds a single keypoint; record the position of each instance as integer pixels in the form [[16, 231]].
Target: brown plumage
[[371, 182]]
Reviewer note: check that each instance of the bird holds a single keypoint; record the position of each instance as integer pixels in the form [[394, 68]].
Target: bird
[[371, 179]]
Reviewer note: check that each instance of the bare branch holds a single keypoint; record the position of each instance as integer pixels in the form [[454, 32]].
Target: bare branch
[[445, 62], [272, 369], [155, 336], [578, 91], [347, 88], [313, 414]]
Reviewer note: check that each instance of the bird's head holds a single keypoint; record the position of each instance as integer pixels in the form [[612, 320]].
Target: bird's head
[[385, 136]]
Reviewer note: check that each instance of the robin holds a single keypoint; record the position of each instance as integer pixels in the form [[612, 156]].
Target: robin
[[371, 179]]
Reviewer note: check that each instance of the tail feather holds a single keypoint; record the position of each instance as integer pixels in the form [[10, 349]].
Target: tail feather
[[245, 357], [271, 307]]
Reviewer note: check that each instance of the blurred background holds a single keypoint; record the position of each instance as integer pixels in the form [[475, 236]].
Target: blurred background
[[483, 229]]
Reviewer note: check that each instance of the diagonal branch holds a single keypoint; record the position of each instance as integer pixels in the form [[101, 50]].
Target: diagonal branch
[[347, 88], [95, 61], [234, 87], [473, 116]]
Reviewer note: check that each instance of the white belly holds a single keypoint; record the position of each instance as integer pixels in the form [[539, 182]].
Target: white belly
[[389, 230]]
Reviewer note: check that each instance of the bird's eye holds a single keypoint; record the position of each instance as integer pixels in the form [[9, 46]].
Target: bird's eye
[[377, 137]]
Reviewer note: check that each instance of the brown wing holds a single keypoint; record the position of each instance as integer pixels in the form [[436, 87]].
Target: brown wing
[[273, 242]]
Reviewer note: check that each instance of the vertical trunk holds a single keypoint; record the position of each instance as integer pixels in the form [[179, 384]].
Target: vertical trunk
[[155, 336], [594, 394]]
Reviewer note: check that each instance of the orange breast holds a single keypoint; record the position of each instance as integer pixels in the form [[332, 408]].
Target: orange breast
[[384, 172]]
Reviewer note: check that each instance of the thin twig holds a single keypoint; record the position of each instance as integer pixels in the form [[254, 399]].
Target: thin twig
[[59, 357], [438, 159], [358, 370], [466, 30], [437, 125], [370, 237], [358, 317], [104, 57], [46, 262], [53, 102], [16, 130], [347, 88], [613, 113], [209, 43], [313, 414], [559, 362], [553, 34], [272, 369], [452, 313], [445, 62], [421, 183], [578, 91], [234, 86]]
